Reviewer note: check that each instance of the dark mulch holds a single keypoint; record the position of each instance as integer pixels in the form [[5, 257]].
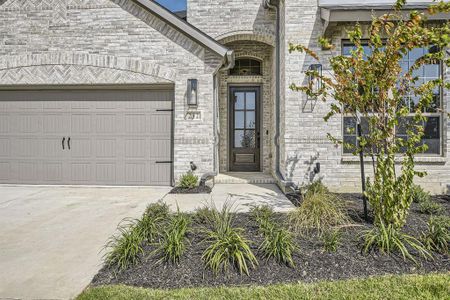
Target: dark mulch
[[312, 263], [196, 190]]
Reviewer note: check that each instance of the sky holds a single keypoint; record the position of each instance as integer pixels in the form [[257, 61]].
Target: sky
[[173, 5]]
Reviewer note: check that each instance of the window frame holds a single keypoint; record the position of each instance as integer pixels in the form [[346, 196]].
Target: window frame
[[260, 61], [440, 115]]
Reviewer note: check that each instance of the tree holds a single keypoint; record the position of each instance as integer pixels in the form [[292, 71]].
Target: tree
[[372, 86]]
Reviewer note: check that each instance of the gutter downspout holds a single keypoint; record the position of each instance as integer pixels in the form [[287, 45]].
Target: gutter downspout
[[228, 63], [282, 181]]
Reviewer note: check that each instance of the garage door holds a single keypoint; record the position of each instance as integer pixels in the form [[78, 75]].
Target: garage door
[[104, 137]]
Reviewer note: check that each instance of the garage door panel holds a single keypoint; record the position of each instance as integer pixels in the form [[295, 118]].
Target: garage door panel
[[81, 123], [116, 137], [5, 171], [80, 147], [81, 172], [5, 147], [106, 123], [105, 172], [55, 123], [106, 148], [29, 171], [4, 123], [135, 172], [159, 124], [53, 171], [27, 147], [26, 123]]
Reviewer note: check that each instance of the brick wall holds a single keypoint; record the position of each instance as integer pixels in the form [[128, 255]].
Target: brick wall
[[111, 42]]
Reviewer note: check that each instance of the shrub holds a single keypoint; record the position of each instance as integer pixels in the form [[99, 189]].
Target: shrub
[[158, 210], [227, 246], [331, 240], [316, 187], [278, 244], [174, 240], [124, 249], [418, 194], [318, 213], [263, 216], [430, 207], [437, 237], [203, 215], [188, 180], [388, 239]]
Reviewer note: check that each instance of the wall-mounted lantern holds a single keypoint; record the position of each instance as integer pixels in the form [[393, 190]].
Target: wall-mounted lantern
[[192, 92], [315, 83]]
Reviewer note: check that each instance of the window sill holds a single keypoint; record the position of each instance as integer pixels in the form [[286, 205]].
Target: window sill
[[418, 159]]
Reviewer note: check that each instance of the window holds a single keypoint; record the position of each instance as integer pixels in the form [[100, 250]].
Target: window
[[432, 126], [246, 67]]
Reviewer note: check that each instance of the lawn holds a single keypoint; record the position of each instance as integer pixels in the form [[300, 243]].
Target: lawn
[[431, 286]]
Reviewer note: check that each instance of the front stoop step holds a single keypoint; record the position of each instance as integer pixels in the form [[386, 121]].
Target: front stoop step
[[244, 178]]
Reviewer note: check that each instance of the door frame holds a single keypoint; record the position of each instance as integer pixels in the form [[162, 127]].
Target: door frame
[[259, 122]]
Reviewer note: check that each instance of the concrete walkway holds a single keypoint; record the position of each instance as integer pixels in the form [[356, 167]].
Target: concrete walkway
[[51, 237], [241, 196]]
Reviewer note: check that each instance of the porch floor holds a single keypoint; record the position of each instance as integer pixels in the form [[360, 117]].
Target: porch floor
[[244, 177]]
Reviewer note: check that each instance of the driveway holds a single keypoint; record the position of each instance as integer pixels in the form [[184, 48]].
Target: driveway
[[51, 237]]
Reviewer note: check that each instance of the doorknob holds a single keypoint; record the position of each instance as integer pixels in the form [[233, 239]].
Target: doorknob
[[68, 143], [64, 138]]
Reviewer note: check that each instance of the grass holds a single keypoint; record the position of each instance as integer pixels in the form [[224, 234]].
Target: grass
[[226, 244], [278, 244], [431, 208], [319, 212], [173, 243], [426, 287], [388, 239], [124, 248], [331, 240], [437, 237]]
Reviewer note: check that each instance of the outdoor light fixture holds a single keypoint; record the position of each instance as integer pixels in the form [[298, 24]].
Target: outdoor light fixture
[[315, 83], [192, 92]]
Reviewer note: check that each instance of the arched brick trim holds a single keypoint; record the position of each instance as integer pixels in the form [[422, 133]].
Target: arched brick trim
[[91, 60], [233, 36]]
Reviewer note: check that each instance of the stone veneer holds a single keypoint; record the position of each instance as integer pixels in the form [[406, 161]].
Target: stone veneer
[[56, 42]]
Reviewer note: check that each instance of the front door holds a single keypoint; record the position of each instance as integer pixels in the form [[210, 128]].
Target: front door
[[244, 129]]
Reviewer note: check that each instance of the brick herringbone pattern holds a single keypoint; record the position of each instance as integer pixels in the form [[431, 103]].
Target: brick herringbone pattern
[[72, 74]]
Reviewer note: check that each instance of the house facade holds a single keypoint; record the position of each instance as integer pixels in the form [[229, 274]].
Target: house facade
[[124, 92]]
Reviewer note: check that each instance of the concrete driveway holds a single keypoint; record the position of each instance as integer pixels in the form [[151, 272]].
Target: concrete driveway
[[51, 237]]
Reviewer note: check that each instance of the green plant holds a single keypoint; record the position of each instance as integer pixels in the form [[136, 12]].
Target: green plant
[[315, 187], [331, 240], [278, 243], [124, 249], [430, 207], [437, 237], [317, 213], [173, 243], [263, 216], [227, 246], [371, 87], [418, 194], [157, 210], [388, 239], [203, 215], [188, 180]]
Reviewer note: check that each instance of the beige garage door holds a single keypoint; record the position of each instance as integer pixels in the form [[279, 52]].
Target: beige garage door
[[102, 137]]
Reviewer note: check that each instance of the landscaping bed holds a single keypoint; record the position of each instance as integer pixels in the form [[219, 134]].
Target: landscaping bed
[[312, 262], [194, 190]]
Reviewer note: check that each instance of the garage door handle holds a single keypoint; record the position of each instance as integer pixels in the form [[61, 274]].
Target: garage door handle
[[63, 142], [68, 143], [164, 110], [164, 162]]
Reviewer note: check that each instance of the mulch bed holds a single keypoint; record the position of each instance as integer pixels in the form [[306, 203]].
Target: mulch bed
[[312, 263], [196, 190]]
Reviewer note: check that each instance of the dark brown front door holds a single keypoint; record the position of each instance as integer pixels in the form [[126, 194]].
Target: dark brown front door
[[244, 129]]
